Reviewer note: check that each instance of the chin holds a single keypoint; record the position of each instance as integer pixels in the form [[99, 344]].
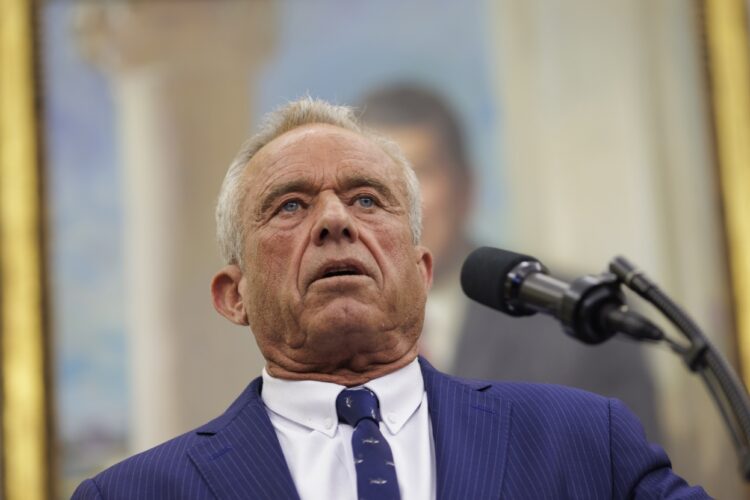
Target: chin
[[345, 321], [345, 312], [355, 327]]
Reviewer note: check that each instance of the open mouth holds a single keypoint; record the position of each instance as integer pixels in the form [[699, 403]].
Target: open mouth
[[340, 272], [340, 268], [332, 272]]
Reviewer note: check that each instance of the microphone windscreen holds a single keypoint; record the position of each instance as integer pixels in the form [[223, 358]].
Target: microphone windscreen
[[484, 274]]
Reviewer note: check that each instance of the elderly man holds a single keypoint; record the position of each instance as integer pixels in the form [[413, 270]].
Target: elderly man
[[319, 222]]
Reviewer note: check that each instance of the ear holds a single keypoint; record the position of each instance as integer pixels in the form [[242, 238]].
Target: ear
[[424, 262], [226, 291]]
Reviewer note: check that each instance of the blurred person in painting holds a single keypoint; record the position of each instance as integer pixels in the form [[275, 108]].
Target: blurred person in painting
[[463, 337], [319, 222]]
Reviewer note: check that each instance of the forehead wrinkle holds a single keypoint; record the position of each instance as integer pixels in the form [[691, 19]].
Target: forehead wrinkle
[[304, 156], [277, 166], [365, 160]]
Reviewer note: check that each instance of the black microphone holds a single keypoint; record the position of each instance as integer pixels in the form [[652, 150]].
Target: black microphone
[[591, 308]]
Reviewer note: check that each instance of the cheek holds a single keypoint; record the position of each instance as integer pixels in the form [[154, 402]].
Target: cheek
[[397, 255], [272, 257]]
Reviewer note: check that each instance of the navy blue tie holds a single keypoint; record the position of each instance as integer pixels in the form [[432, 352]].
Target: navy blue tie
[[373, 460]]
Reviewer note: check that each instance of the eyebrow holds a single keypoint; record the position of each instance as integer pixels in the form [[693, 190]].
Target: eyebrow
[[297, 185], [358, 181], [307, 187]]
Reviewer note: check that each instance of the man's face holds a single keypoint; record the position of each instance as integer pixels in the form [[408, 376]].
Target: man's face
[[332, 278]]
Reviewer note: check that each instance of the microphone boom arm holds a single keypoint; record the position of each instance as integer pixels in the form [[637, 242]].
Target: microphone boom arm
[[700, 356]]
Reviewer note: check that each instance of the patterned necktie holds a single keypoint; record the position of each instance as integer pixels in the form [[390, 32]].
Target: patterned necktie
[[373, 460]]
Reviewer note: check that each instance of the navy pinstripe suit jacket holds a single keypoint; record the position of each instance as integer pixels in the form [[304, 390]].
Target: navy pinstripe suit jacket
[[492, 440]]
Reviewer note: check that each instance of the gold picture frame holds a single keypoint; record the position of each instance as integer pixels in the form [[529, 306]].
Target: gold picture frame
[[25, 416], [729, 73]]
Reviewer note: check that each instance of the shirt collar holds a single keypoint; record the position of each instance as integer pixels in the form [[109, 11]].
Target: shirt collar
[[312, 404]]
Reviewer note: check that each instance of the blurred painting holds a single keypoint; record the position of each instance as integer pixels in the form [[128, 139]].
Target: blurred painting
[[531, 126]]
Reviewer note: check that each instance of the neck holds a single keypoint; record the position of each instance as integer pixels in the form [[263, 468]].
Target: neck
[[357, 371]]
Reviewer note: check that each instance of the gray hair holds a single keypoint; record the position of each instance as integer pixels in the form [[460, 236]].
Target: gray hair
[[230, 229]]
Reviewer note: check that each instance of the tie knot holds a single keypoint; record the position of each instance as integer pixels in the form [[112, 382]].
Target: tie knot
[[352, 405]]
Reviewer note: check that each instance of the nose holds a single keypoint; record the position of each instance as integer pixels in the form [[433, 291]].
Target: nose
[[333, 223]]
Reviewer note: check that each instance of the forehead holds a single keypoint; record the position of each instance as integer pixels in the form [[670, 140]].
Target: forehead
[[319, 150]]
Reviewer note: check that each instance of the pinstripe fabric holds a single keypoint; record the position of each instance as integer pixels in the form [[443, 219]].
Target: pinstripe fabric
[[537, 441], [235, 456], [492, 440]]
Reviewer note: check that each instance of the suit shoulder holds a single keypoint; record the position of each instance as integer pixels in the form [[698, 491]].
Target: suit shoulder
[[165, 470], [550, 393], [526, 391], [151, 470], [520, 394], [547, 401]]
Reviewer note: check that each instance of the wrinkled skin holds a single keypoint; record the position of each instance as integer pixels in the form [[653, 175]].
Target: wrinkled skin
[[332, 286]]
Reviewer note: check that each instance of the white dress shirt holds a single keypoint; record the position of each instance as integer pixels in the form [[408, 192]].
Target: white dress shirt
[[318, 449]]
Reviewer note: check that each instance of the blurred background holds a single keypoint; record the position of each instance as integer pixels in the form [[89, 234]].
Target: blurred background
[[571, 130]]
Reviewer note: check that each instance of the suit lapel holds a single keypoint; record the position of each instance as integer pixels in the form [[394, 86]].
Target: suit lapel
[[471, 429], [241, 456]]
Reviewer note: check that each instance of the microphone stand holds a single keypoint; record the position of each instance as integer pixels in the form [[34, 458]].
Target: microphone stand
[[700, 356]]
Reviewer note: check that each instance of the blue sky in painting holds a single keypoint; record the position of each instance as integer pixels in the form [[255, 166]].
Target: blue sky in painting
[[85, 215]]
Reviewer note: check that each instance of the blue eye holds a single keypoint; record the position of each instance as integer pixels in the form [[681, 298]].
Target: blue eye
[[366, 201], [291, 206]]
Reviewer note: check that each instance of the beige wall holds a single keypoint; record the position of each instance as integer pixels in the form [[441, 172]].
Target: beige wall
[[608, 150]]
